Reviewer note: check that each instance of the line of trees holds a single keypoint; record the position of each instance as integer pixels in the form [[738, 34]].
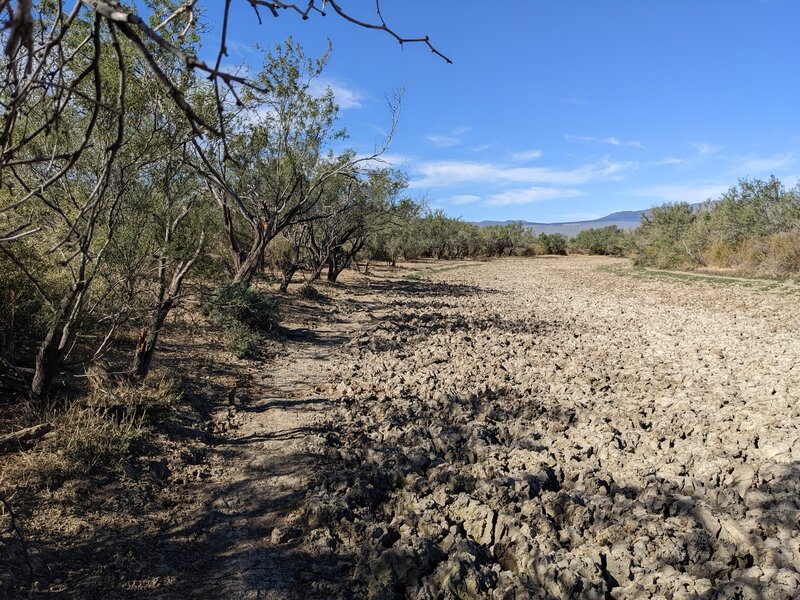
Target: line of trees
[[754, 227], [112, 203], [382, 225]]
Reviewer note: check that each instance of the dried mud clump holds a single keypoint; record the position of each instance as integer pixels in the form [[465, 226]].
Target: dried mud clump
[[541, 429]]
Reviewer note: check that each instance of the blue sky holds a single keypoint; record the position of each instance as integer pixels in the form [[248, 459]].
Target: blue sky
[[568, 110]]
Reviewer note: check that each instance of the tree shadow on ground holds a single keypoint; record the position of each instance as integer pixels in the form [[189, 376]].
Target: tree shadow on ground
[[216, 551]]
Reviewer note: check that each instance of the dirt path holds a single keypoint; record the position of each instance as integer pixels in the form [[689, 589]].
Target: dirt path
[[264, 458]]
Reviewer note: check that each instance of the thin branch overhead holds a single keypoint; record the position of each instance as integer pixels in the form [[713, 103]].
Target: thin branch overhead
[[43, 66]]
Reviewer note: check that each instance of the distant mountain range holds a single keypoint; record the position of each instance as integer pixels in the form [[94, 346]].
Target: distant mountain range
[[626, 219]]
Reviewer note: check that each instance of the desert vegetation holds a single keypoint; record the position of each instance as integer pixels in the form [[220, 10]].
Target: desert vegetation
[[605, 241], [240, 359], [753, 228]]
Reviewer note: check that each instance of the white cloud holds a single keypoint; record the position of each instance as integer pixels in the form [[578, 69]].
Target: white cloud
[[449, 173], [482, 147], [450, 140], [527, 155], [345, 96], [691, 193], [669, 160], [528, 195], [464, 199], [705, 149], [240, 48], [754, 165], [609, 141], [443, 141]]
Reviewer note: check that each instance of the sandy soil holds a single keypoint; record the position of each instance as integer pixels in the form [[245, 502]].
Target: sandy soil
[[524, 428]]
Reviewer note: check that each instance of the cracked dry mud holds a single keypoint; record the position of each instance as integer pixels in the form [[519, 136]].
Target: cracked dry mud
[[522, 428], [540, 428]]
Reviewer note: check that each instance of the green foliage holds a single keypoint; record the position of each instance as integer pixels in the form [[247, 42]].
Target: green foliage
[[753, 209], [553, 243], [661, 239], [239, 303], [245, 315], [607, 241], [242, 341], [751, 228]]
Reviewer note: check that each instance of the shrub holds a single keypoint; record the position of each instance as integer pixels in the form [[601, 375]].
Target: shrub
[[83, 440], [719, 255], [661, 239], [92, 438], [784, 252], [754, 209], [242, 341], [752, 227], [607, 241], [239, 304], [309, 292], [554, 243], [244, 315], [150, 398]]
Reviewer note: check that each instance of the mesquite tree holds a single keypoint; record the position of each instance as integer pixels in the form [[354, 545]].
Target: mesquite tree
[[356, 210], [94, 215], [275, 165], [114, 137]]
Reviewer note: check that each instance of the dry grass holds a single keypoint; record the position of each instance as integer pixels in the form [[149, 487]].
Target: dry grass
[[93, 434], [777, 255], [785, 252]]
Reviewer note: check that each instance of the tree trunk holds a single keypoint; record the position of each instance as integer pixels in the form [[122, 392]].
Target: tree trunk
[[287, 279], [230, 233], [54, 346], [249, 263], [333, 270], [148, 337], [316, 273], [245, 264]]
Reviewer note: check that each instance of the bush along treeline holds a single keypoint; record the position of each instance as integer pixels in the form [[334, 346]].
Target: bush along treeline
[[606, 241], [753, 228]]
